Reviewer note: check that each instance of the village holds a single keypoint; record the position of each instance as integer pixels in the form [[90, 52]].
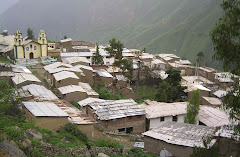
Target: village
[[58, 83]]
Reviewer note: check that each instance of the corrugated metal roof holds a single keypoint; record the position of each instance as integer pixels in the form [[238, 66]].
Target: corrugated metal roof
[[213, 117], [103, 73], [90, 100], [183, 134], [39, 92], [220, 93], [7, 73], [20, 69], [56, 65], [116, 109], [121, 78], [213, 101], [83, 54], [201, 87], [84, 67], [184, 62], [75, 115], [64, 75], [156, 109], [23, 77], [88, 89], [71, 89], [73, 69], [44, 109], [72, 60], [157, 61]]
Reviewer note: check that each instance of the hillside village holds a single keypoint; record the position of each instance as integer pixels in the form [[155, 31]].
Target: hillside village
[[58, 83]]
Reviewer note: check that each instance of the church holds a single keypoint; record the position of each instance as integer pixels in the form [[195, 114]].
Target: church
[[30, 49]]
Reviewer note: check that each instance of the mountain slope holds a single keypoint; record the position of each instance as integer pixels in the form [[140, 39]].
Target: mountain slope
[[170, 26]]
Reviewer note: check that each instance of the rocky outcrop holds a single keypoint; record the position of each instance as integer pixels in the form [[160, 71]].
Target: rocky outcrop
[[10, 149]]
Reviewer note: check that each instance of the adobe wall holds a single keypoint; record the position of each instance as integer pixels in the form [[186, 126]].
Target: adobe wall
[[155, 146], [87, 129], [75, 96], [66, 82]]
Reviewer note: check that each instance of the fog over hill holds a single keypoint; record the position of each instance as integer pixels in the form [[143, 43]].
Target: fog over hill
[[162, 26]]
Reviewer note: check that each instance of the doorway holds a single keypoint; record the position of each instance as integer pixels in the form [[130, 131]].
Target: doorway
[[31, 55]]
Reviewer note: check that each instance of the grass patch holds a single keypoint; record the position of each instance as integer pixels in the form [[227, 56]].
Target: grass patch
[[107, 143], [5, 60], [145, 92]]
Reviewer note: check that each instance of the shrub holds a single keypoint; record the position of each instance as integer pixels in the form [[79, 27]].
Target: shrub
[[73, 130]]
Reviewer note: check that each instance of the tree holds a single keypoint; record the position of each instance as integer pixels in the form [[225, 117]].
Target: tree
[[97, 59], [200, 58], [65, 37], [193, 108], [7, 96], [30, 33], [124, 64], [226, 39], [170, 89], [115, 49]]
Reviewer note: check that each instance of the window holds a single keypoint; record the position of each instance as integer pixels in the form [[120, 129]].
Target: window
[[27, 48], [174, 118], [107, 63], [161, 119], [129, 130], [108, 57], [30, 46], [88, 57], [121, 130], [35, 47]]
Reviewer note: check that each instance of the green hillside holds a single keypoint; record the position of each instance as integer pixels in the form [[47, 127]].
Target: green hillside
[[162, 26]]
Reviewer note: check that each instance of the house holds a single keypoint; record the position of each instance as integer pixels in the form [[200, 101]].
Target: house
[[37, 92], [158, 112], [67, 45], [72, 93], [177, 138], [76, 60], [20, 69], [65, 78], [23, 79], [30, 48], [203, 90], [6, 45], [212, 117], [90, 92], [170, 58], [186, 70], [207, 73], [226, 79], [88, 55], [157, 64], [211, 101], [46, 114], [119, 116], [84, 122], [103, 76], [88, 72], [6, 75]]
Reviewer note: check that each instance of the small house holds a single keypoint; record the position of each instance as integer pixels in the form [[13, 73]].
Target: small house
[[103, 76], [76, 61], [46, 114], [118, 117], [90, 92], [211, 101], [88, 72], [65, 78], [23, 79], [178, 139], [72, 93], [158, 112]]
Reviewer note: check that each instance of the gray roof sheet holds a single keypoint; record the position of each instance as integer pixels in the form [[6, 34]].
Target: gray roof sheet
[[116, 109], [44, 109], [181, 134]]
